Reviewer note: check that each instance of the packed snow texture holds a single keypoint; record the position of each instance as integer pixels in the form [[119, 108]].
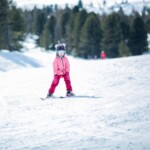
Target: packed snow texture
[[118, 117]]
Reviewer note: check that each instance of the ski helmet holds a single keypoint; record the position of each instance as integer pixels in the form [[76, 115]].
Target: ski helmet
[[60, 50]]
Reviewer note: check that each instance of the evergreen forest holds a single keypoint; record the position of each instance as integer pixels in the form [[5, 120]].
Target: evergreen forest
[[85, 33]]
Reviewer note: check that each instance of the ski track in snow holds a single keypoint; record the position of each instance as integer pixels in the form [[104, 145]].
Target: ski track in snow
[[118, 119]]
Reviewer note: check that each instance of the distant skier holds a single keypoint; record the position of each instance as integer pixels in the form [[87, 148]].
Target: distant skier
[[103, 55], [61, 68]]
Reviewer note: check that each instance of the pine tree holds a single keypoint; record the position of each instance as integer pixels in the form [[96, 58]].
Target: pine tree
[[16, 19], [64, 22], [111, 35], [27, 21], [124, 49], [124, 25], [90, 37], [17, 26], [138, 36], [78, 24], [40, 20], [146, 18], [5, 41], [59, 28], [70, 28], [80, 5], [48, 35]]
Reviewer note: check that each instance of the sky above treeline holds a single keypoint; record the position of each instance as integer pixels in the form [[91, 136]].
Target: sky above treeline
[[28, 3]]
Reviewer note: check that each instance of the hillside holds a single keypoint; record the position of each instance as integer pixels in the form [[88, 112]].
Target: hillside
[[116, 118]]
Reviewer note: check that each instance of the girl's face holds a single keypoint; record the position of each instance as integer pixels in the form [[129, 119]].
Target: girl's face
[[61, 53]]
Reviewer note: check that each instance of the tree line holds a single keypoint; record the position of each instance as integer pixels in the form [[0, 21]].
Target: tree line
[[85, 33]]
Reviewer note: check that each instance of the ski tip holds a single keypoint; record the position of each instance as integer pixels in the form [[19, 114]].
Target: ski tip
[[61, 97]]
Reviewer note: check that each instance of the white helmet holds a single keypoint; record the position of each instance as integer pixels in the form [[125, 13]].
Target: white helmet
[[60, 50]]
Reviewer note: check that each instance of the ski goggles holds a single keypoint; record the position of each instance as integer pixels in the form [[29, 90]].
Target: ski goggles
[[61, 52]]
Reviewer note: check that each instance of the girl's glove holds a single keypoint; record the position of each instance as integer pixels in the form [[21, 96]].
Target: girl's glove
[[67, 73]]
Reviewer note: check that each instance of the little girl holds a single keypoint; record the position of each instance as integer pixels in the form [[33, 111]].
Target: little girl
[[61, 68]]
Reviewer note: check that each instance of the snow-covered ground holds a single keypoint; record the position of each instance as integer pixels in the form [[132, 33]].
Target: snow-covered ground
[[117, 118]]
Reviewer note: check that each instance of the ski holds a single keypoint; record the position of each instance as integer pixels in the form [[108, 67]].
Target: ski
[[43, 98], [46, 98], [54, 97], [70, 97]]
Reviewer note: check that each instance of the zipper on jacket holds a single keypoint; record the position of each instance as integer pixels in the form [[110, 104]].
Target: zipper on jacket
[[63, 65]]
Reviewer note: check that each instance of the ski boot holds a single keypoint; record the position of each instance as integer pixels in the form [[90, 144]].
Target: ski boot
[[49, 95], [69, 93]]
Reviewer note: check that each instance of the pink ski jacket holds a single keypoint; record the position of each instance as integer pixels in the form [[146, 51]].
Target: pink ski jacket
[[61, 65]]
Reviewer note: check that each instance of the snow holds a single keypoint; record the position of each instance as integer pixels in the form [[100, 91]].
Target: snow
[[92, 6], [117, 118], [23, 3]]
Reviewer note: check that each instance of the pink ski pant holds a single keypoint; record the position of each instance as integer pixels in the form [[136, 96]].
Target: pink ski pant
[[55, 82]]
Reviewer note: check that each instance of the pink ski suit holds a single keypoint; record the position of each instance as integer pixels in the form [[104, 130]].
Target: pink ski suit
[[61, 68], [61, 65]]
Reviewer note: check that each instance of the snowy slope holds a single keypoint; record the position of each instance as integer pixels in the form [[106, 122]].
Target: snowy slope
[[118, 118]]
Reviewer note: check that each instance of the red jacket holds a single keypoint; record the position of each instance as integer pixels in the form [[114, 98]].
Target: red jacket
[[61, 65], [103, 55]]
